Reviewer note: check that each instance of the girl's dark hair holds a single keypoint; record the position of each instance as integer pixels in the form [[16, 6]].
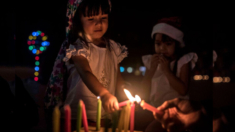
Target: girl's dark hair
[[86, 8], [179, 52]]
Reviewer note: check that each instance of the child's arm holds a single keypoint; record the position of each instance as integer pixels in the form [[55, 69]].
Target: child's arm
[[179, 84], [109, 101], [120, 82]]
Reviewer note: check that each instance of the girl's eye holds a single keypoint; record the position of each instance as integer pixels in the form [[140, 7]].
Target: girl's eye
[[168, 43], [157, 43], [90, 19]]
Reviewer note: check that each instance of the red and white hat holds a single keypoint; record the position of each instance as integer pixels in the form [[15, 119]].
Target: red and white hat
[[170, 27]]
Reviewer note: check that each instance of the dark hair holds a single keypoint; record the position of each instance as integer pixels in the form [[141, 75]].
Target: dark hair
[[179, 52], [86, 8]]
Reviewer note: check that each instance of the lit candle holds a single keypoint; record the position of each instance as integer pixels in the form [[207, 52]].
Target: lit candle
[[123, 103], [84, 117], [67, 112], [132, 117], [79, 116], [147, 106], [130, 97], [98, 117], [56, 119]]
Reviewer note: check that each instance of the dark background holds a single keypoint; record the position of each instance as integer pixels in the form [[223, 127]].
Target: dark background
[[206, 27]]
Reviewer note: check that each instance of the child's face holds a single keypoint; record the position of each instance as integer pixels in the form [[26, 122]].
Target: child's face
[[166, 48], [95, 26]]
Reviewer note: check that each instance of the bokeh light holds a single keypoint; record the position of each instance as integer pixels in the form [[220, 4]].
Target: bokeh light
[[39, 32], [197, 77], [122, 69], [205, 77], [37, 53], [35, 78], [226, 79], [42, 34], [37, 63], [30, 37], [142, 68], [36, 68], [31, 47], [29, 42], [44, 38], [36, 58], [137, 72], [36, 73], [129, 69], [34, 51]]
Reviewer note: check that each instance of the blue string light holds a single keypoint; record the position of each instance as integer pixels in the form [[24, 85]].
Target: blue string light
[[36, 68], [122, 69]]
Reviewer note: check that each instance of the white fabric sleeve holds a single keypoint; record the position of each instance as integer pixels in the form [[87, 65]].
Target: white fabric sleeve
[[76, 50], [146, 59], [190, 57], [120, 50]]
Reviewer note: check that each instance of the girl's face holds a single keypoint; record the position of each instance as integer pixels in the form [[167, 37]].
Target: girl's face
[[95, 26], [167, 48]]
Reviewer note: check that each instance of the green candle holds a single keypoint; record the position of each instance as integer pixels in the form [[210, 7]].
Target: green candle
[[98, 113], [79, 116]]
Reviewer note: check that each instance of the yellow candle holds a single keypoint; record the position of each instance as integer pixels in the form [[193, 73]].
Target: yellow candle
[[121, 119], [56, 119], [98, 117], [127, 117]]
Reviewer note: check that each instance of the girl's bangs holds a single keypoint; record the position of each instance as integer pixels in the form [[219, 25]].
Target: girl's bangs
[[92, 8]]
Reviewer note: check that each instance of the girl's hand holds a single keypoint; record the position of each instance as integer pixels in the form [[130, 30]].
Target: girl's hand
[[154, 62], [109, 102], [165, 64]]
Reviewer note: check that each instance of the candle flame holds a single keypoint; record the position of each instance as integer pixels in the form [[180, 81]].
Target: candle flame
[[137, 98], [129, 96], [98, 97]]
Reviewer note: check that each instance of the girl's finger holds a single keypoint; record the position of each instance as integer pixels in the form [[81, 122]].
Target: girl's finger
[[163, 59], [111, 107], [116, 106]]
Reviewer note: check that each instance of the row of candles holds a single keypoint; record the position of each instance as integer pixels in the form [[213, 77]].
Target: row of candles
[[127, 114]]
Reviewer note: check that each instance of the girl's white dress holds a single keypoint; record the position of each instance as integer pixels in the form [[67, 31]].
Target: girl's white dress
[[96, 57]]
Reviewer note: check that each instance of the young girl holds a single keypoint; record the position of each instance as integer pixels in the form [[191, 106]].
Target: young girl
[[168, 71], [92, 61]]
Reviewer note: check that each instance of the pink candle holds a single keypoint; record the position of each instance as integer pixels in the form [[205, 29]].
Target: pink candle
[[123, 103], [67, 112], [84, 118], [132, 117], [145, 105]]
